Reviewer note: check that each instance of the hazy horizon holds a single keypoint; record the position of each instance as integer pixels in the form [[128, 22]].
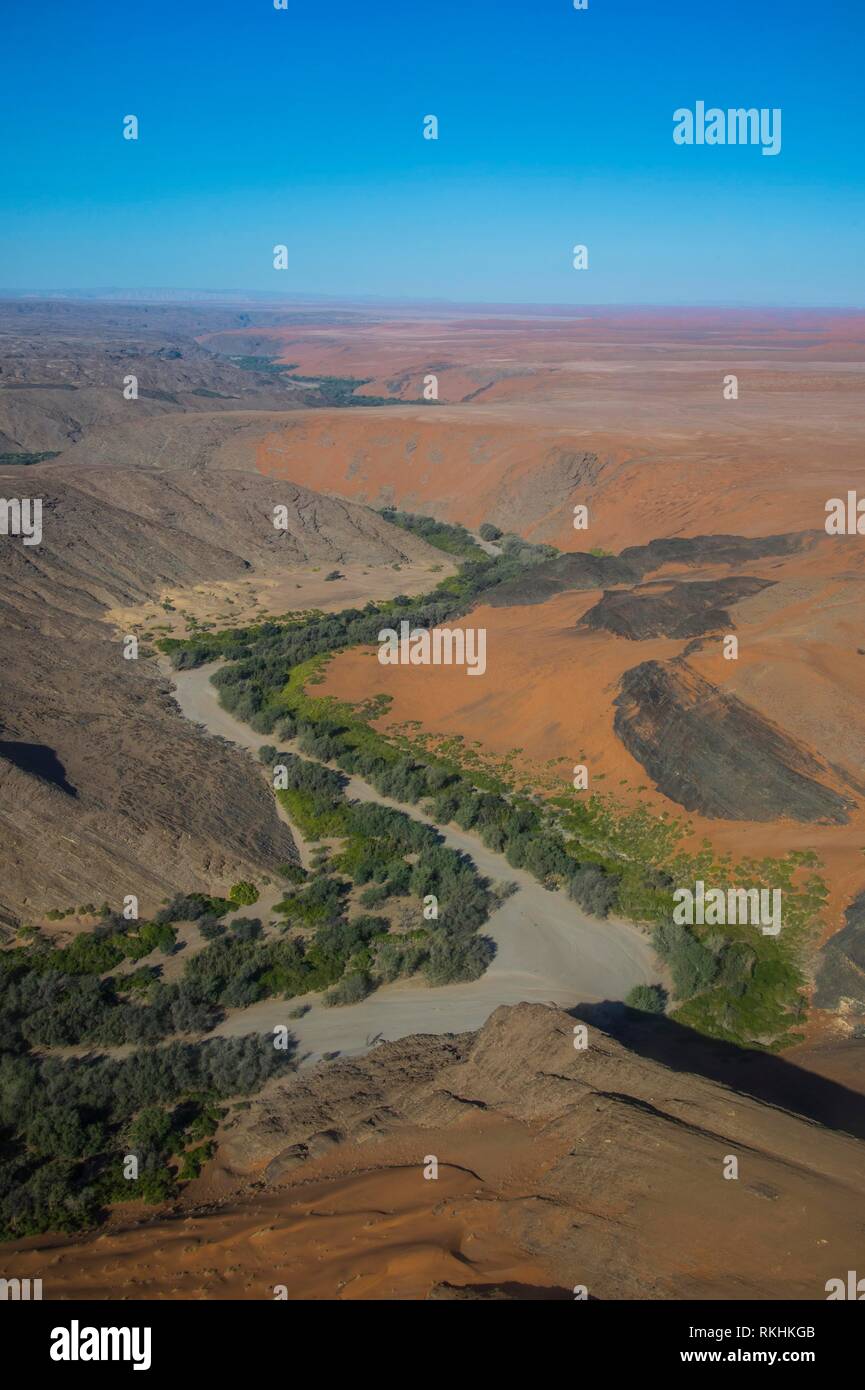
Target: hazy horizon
[[264, 298]]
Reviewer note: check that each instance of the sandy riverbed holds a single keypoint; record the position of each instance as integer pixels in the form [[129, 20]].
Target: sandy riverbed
[[547, 949]]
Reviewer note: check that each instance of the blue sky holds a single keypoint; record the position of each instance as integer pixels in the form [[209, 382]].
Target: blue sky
[[304, 127]]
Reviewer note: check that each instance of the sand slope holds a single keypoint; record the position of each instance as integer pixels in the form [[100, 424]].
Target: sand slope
[[557, 1167]]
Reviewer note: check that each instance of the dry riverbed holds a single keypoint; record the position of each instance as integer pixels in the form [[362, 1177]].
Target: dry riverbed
[[547, 949]]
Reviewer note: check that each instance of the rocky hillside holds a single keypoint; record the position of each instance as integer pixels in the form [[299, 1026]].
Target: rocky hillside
[[106, 790], [615, 1170], [558, 1168]]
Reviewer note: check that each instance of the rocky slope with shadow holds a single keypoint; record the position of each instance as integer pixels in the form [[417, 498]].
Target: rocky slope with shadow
[[556, 1167], [712, 753], [624, 1191], [715, 550], [574, 571]]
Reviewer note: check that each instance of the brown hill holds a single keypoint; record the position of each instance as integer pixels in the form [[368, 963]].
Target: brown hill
[[65, 367], [557, 1168]]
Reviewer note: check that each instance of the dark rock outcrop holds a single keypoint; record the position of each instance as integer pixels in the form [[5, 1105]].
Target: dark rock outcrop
[[712, 753], [714, 550], [671, 609], [581, 570], [841, 978]]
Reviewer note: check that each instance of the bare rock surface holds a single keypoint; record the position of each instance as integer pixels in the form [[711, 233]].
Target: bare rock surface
[[666, 609], [712, 753]]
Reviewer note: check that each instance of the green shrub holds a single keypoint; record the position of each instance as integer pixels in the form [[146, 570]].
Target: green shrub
[[594, 890], [372, 897], [193, 1160], [351, 989], [454, 958], [293, 872], [692, 966], [244, 893], [649, 999], [397, 958]]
